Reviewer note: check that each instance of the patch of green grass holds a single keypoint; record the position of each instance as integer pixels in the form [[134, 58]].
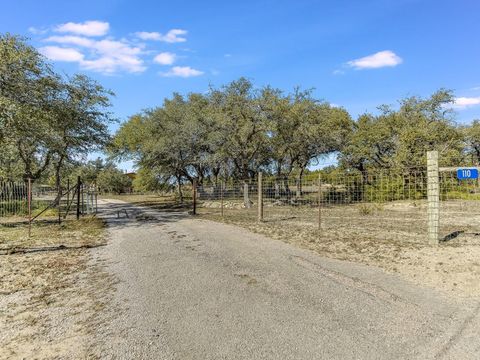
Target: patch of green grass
[[460, 195], [20, 207]]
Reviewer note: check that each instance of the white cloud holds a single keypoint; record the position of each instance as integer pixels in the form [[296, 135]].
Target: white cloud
[[105, 56], [56, 53], [464, 102], [71, 39], [173, 36], [380, 59], [87, 44], [113, 56], [37, 31], [144, 35], [87, 28], [165, 58], [182, 71]]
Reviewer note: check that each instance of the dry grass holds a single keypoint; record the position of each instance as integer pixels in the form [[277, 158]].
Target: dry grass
[[50, 288], [48, 233]]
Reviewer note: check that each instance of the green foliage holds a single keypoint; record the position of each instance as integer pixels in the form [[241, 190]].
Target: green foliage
[[233, 131], [147, 180], [20, 207], [472, 141], [46, 120], [399, 139], [112, 180], [49, 123], [27, 83]]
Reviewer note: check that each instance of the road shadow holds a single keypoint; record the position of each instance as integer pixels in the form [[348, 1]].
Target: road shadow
[[452, 235], [128, 214]]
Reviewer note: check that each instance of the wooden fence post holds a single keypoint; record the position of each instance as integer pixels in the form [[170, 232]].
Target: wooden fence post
[[260, 197], [433, 197]]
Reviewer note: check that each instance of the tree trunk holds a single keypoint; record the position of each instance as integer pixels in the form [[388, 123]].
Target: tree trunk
[[277, 188], [287, 187], [277, 183], [299, 183], [246, 197], [179, 188], [58, 179], [216, 172]]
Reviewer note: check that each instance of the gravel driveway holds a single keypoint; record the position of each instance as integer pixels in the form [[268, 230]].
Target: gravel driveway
[[195, 289]]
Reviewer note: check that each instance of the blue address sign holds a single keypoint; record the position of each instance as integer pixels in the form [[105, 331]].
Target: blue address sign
[[464, 174]]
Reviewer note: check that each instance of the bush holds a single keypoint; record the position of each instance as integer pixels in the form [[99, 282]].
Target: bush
[[369, 209]]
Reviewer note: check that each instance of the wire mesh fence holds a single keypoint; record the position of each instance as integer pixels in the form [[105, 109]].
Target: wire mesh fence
[[14, 198], [377, 206], [459, 205], [26, 201]]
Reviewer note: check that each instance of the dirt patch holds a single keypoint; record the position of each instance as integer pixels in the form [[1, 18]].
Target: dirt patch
[[50, 298]]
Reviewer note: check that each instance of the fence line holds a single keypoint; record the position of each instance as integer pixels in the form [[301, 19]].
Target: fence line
[[378, 206], [26, 201]]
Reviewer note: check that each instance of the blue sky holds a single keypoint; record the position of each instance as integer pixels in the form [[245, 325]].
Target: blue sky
[[356, 54]]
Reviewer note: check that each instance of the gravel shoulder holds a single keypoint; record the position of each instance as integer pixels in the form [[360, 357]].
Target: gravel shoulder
[[192, 288]]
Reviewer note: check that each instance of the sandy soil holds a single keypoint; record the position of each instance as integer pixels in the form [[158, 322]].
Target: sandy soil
[[51, 290]]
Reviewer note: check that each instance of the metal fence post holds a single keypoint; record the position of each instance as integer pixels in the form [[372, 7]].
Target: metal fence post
[[433, 197], [194, 191], [59, 205], [221, 196], [83, 199], [88, 204], [78, 196], [319, 201], [29, 207], [68, 192], [96, 197], [260, 197]]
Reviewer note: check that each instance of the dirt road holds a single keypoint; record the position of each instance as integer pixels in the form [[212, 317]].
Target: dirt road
[[195, 289]]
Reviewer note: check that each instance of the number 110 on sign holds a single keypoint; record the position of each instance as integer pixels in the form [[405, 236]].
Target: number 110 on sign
[[463, 174]]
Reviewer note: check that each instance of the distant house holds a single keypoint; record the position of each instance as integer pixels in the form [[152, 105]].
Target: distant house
[[131, 175]]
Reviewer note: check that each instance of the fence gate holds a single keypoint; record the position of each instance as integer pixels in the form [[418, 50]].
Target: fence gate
[[28, 202]]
